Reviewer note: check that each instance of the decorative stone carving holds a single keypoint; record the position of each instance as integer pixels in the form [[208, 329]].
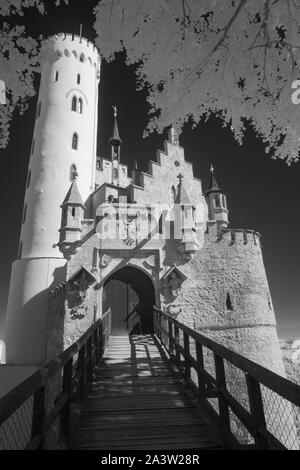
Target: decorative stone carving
[[77, 289], [171, 283], [105, 261]]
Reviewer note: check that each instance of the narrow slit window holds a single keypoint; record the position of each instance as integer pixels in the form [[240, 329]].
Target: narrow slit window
[[75, 141], [56, 76], [81, 57], [74, 104], [78, 79], [28, 179], [73, 211], [228, 302]]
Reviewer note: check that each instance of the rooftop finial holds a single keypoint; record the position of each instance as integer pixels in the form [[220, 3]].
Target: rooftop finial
[[115, 110], [211, 168], [80, 31]]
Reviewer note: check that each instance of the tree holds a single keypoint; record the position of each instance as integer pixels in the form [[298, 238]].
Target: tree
[[20, 58], [236, 59]]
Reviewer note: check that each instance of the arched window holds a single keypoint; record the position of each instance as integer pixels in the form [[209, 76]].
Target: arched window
[[28, 179], [75, 141], [73, 211], [173, 194], [24, 214], [224, 201], [78, 79], [56, 76], [80, 106], [74, 104], [20, 249], [66, 52], [73, 172], [82, 57]]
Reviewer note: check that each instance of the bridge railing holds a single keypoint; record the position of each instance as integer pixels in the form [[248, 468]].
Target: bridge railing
[[39, 412], [250, 405]]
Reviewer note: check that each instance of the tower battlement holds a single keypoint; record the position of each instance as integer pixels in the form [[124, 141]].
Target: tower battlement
[[240, 236], [71, 41]]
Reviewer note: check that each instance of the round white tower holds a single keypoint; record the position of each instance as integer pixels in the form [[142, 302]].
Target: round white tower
[[64, 141]]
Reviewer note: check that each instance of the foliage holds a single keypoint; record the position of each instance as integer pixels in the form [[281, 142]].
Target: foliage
[[235, 58]]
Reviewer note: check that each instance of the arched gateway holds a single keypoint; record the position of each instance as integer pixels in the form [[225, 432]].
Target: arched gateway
[[129, 293]]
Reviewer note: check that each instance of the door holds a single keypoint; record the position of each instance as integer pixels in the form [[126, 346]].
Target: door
[[129, 294]]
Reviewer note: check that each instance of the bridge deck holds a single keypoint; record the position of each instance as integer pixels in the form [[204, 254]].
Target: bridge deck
[[139, 401]]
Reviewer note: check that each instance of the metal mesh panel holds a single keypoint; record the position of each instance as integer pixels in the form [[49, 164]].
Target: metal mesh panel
[[15, 432], [282, 418], [236, 384], [239, 431]]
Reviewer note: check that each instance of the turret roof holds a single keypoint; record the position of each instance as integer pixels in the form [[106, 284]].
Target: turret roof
[[213, 187], [73, 195]]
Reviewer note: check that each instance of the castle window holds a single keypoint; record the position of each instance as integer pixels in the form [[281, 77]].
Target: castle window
[[66, 52], [228, 302], [80, 105], [78, 79], [224, 201], [74, 104], [24, 214], [28, 179], [73, 211], [56, 76], [75, 141], [81, 57], [115, 173], [20, 249], [217, 201]]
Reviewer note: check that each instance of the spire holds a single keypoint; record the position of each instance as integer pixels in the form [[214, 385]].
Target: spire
[[115, 137], [213, 182], [181, 196], [73, 196]]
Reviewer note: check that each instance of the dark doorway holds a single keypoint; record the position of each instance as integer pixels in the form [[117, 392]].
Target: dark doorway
[[129, 293]]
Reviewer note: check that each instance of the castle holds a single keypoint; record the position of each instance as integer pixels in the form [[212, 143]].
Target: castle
[[95, 238]]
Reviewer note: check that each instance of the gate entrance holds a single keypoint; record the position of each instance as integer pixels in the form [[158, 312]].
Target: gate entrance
[[129, 293]]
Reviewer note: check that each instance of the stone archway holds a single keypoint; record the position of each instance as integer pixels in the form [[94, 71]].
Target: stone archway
[[129, 293]]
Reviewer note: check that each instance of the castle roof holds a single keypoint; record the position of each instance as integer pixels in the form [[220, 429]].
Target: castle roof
[[73, 196], [213, 187], [115, 136]]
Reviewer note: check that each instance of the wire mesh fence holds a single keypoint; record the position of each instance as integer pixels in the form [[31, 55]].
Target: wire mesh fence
[[15, 432]]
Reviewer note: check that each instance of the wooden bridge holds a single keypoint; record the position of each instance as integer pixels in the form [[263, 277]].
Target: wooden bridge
[[173, 390]]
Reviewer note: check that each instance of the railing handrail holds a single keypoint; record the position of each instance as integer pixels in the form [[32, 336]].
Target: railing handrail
[[278, 384], [25, 389]]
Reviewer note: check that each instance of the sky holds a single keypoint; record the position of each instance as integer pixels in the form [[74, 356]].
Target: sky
[[262, 193]]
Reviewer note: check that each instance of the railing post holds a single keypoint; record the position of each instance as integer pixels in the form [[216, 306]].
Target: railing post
[[170, 333], [257, 411], [89, 366], [67, 390], [221, 384], [177, 353], [200, 362], [82, 370], [38, 427], [96, 345], [187, 367]]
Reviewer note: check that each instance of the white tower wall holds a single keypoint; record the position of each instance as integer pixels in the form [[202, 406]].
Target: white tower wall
[[41, 263]]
